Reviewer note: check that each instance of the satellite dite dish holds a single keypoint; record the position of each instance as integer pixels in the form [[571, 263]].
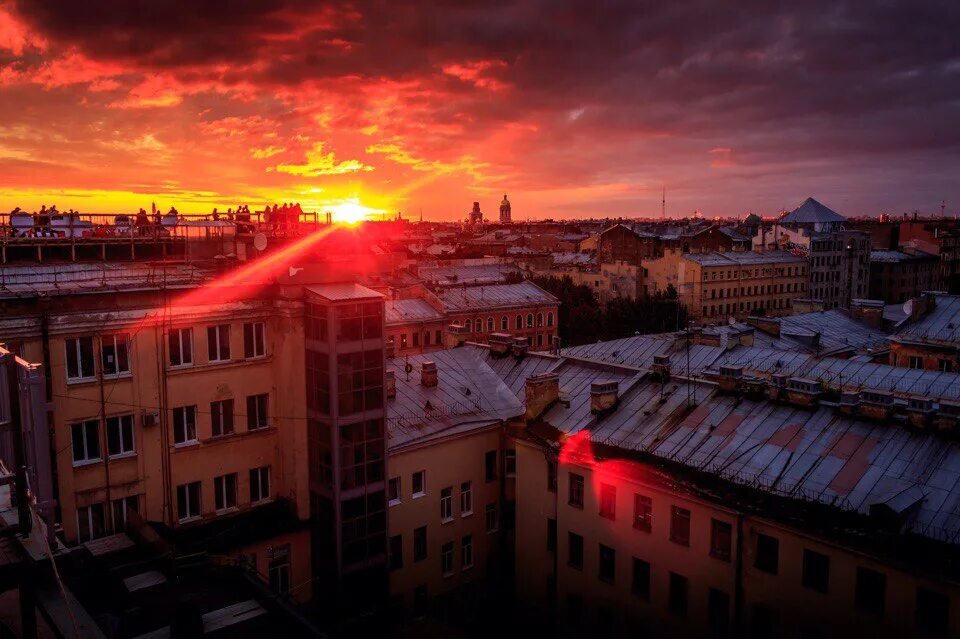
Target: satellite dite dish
[[260, 241]]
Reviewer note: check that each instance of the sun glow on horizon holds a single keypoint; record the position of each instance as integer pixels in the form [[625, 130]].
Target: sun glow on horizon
[[352, 212]]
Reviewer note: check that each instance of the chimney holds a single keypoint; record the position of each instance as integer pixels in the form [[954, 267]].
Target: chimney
[[500, 344], [729, 378], [389, 348], [520, 346], [921, 305], [661, 367], [769, 325], [455, 335], [870, 312], [390, 384], [540, 392], [556, 344], [428, 374], [603, 396]]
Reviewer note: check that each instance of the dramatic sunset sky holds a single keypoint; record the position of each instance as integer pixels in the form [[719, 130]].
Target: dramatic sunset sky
[[573, 108]]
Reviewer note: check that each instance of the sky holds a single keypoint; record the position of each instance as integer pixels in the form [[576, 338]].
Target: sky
[[575, 109]]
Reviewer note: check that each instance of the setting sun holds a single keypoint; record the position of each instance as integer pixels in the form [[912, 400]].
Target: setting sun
[[352, 212]]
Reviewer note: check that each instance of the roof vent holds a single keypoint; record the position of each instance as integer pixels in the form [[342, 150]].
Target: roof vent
[[390, 384], [520, 346], [428, 374], [500, 344], [603, 396]]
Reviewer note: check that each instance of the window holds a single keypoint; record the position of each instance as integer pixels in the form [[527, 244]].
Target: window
[[608, 501], [680, 525], [768, 554], [466, 552], [416, 338], [518, 324], [393, 491], [490, 517], [361, 453], [420, 543], [678, 594], [121, 509], [575, 550], [180, 342], [91, 522], [489, 324], [120, 435], [529, 320], [419, 484], [490, 465], [718, 612], [932, 612], [446, 504], [403, 340], [504, 323], [114, 356], [188, 501], [257, 411], [225, 492], [916, 362], [466, 499], [816, 571], [86, 441], [360, 381], [439, 337], [721, 539], [607, 564], [468, 325], [871, 590], [396, 552], [510, 462], [253, 342], [539, 320], [218, 343], [184, 424], [363, 527], [80, 358], [945, 365], [552, 535], [221, 417], [359, 321], [640, 582], [280, 569], [642, 513], [552, 475], [576, 490], [259, 484], [550, 318]]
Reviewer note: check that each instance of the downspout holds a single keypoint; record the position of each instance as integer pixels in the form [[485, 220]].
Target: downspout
[[55, 515], [104, 440], [738, 580]]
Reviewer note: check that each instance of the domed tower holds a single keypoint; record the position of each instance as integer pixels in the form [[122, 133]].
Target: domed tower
[[476, 215], [505, 210]]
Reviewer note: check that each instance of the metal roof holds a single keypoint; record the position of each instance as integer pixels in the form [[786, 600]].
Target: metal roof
[[410, 310], [466, 274], [477, 298], [812, 212], [342, 292], [887, 255], [743, 258], [939, 324], [94, 277]]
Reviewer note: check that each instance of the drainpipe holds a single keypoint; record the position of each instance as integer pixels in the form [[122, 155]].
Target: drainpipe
[[104, 440], [738, 581]]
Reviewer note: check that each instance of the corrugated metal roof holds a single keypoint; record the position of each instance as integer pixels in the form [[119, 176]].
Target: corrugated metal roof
[[941, 324], [343, 292], [743, 258], [473, 298], [93, 277], [811, 212], [410, 310], [467, 274]]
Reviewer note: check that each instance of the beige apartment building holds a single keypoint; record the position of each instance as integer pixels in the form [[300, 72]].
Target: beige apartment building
[[717, 286]]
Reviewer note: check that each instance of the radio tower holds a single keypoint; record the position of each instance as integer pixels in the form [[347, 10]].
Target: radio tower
[[663, 203]]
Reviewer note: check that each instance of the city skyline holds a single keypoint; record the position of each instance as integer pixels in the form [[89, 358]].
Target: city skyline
[[573, 111]]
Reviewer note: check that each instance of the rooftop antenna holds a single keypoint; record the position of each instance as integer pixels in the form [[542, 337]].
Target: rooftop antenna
[[421, 215], [663, 203], [943, 208]]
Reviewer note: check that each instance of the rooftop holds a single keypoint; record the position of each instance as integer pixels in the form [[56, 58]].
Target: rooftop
[[887, 255], [476, 298], [410, 310], [812, 212], [743, 258], [344, 292], [940, 324]]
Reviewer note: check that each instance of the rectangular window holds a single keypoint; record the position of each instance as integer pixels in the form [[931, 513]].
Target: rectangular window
[[188, 501], [221, 417], [225, 492], [257, 411], [640, 583], [575, 550], [253, 342], [510, 462], [490, 517], [396, 552], [552, 535], [576, 490], [466, 499], [945, 365], [446, 504], [916, 362], [259, 484], [420, 602], [184, 424], [420, 543], [393, 491], [680, 525], [721, 539], [607, 564], [551, 475], [91, 522], [416, 338], [466, 552], [114, 355], [608, 501], [280, 569], [180, 342], [419, 484], [121, 509], [768, 554], [446, 559], [718, 612], [120, 435], [642, 513], [932, 612], [490, 465], [871, 591], [678, 594], [86, 441], [218, 343], [816, 571], [80, 358]]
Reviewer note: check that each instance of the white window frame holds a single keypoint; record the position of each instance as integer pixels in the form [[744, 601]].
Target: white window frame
[[115, 340], [86, 459], [466, 552], [214, 347], [82, 374], [89, 520], [127, 449], [185, 355], [124, 508], [261, 473], [399, 498], [504, 323], [510, 460], [446, 559], [259, 421], [218, 426], [186, 441], [466, 499], [423, 484], [488, 509], [221, 493], [258, 340], [446, 505], [190, 516]]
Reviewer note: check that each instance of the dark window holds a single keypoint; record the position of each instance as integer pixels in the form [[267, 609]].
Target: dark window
[[721, 537], [871, 590], [678, 594], [642, 513], [396, 552], [552, 535], [680, 525], [420, 543], [608, 501], [768, 554], [363, 527], [576, 490], [575, 557], [640, 583], [218, 342], [184, 424], [360, 381], [114, 358], [510, 462], [259, 484], [253, 342], [221, 417], [718, 612], [419, 483], [816, 571], [80, 358], [932, 612], [361, 453], [551, 475], [490, 465], [257, 411], [120, 435], [607, 564], [86, 440], [225, 491]]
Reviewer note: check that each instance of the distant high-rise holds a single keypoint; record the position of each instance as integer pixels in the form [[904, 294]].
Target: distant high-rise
[[476, 215], [505, 210]]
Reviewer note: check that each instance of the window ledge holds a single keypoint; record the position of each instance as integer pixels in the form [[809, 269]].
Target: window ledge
[[120, 456], [419, 495], [118, 376], [466, 568], [227, 511], [87, 462], [447, 575], [446, 520], [187, 444], [393, 502], [78, 381], [467, 513], [189, 520]]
